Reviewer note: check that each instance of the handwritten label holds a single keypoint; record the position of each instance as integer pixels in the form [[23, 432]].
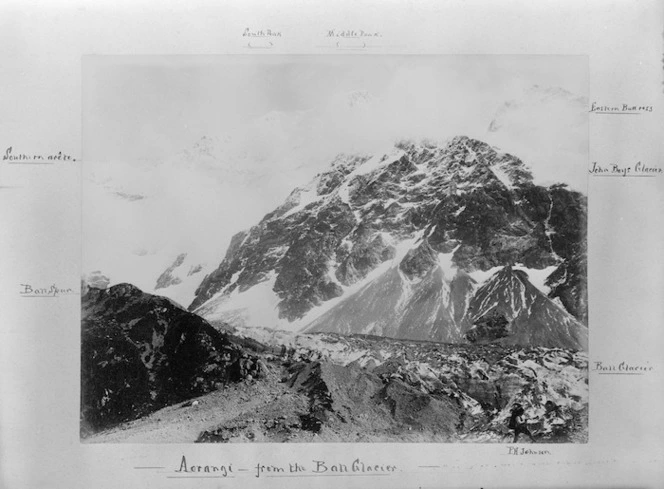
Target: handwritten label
[[352, 34], [638, 169], [621, 368], [28, 290], [514, 450], [353, 39], [187, 468], [223, 470], [321, 467], [260, 38], [622, 109], [260, 33], [31, 158]]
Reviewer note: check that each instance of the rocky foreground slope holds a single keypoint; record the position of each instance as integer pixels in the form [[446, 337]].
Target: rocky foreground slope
[[154, 372], [364, 388]]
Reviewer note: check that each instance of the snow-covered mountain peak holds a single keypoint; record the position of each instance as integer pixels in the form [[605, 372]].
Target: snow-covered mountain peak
[[416, 170], [383, 243]]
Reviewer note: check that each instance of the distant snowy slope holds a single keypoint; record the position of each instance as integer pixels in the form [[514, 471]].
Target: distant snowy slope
[[139, 216], [548, 127]]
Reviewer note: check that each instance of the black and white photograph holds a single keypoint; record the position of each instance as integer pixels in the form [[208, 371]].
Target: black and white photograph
[[341, 248]]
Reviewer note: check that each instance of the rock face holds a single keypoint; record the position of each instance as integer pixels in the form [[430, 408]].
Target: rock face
[[180, 279], [398, 243], [140, 352], [166, 279], [529, 317]]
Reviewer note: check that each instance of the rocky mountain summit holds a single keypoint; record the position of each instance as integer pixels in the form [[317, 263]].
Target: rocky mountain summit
[[407, 243]]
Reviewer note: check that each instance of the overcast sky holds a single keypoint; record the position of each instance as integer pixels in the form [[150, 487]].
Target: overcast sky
[[275, 122], [137, 107]]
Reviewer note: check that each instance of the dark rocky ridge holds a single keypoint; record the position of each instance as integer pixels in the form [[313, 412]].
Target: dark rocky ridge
[[140, 352]]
